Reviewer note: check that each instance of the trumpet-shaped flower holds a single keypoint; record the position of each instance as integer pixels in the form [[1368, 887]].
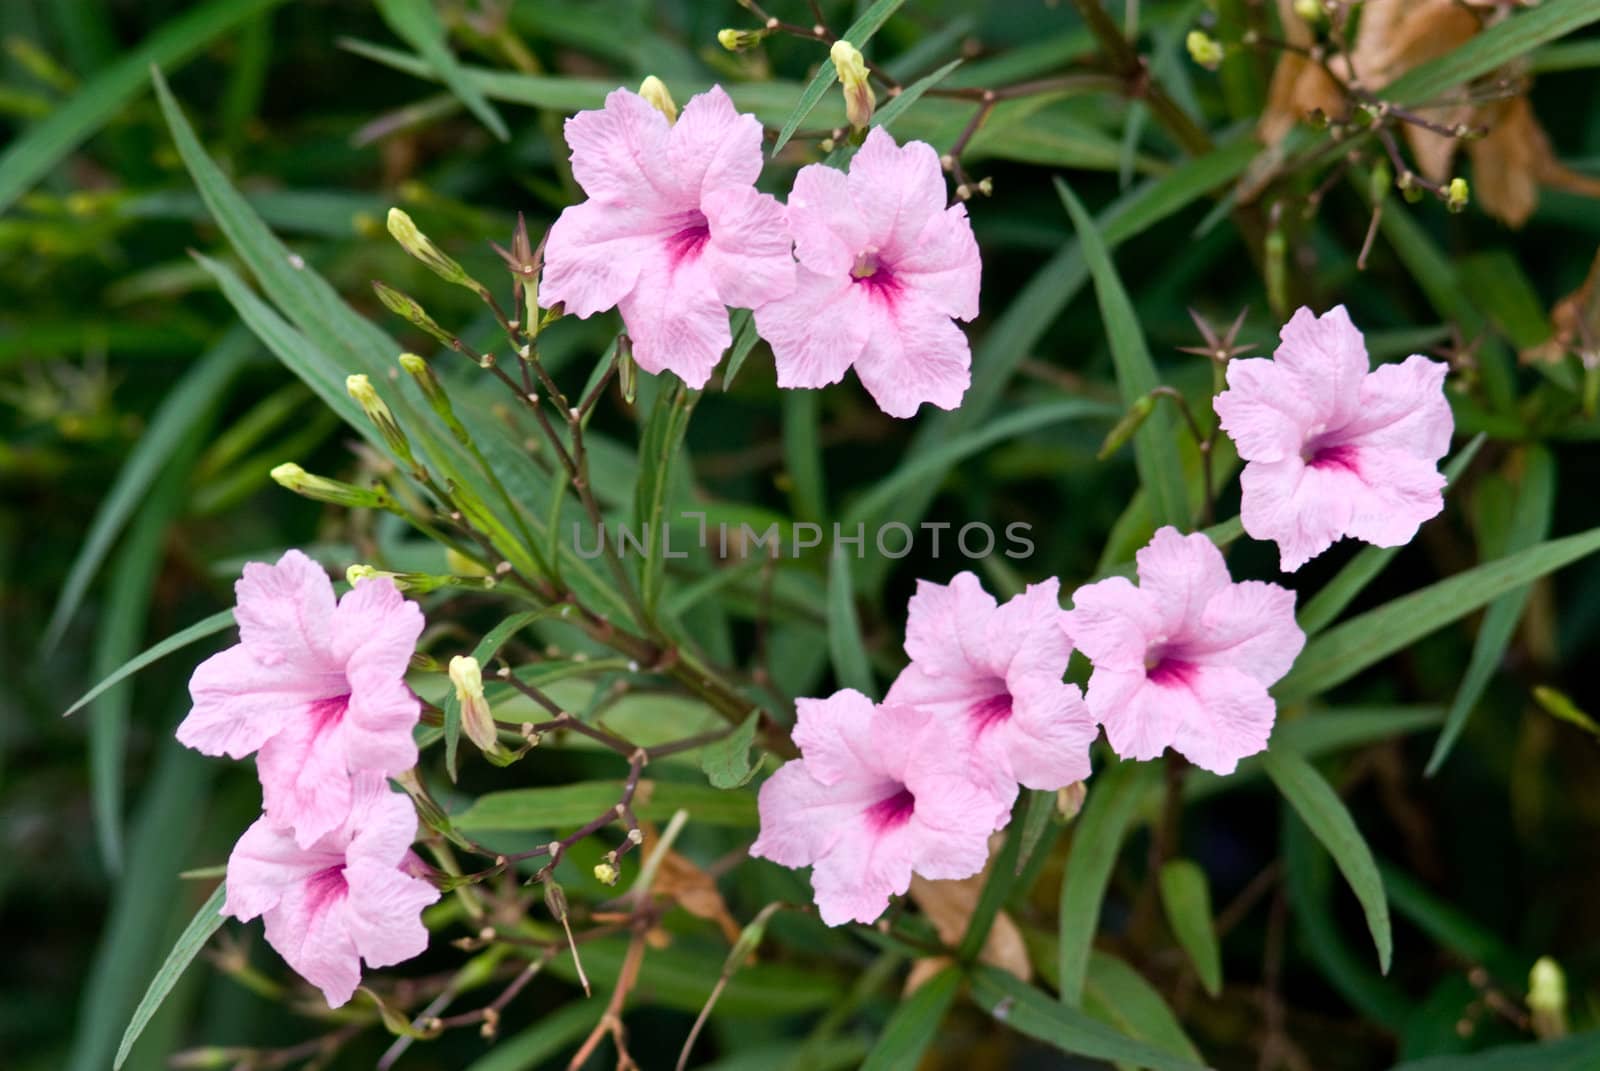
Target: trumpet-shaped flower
[[884, 266], [317, 687], [994, 674], [673, 230], [1184, 659], [879, 793], [1335, 449], [353, 895]]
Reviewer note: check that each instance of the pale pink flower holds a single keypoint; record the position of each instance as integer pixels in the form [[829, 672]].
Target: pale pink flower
[[880, 793], [351, 896], [1333, 448], [317, 687], [884, 265], [673, 230], [1184, 659], [994, 674]]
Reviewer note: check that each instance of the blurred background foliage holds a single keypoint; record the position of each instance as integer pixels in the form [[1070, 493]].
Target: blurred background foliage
[[140, 421]]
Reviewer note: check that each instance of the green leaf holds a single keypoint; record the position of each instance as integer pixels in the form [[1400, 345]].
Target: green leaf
[[658, 455], [727, 762], [562, 806], [845, 645], [196, 632], [1580, 1052], [858, 34], [996, 890], [207, 921], [929, 465], [914, 1024], [534, 1047], [1359, 571], [1530, 523], [1032, 1013], [897, 105], [188, 402], [418, 24], [1347, 649], [745, 338], [1493, 48], [1035, 820], [45, 144], [1155, 445], [1120, 997], [1451, 927], [1187, 900], [1114, 796], [802, 454], [1320, 808]]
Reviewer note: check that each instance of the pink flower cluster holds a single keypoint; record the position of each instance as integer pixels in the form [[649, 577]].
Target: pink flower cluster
[[316, 689], [917, 783], [674, 232]]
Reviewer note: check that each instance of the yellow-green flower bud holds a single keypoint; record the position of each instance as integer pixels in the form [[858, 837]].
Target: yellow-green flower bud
[[361, 389], [422, 247], [655, 91], [335, 492], [606, 873], [1547, 998], [1459, 194], [476, 718], [1125, 428], [359, 572], [1204, 49], [741, 40], [1309, 10], [858, 97], [433, 390], [407, 309]]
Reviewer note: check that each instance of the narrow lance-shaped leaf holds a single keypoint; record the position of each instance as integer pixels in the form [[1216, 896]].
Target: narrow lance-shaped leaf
[[844, 629], [1320, 808], [196, 632], [658, 456], [727, 761], [1114, 796], [1187, 901], [1155, 444], [207, 921], [1493, 48], [914, 1024], [418, 24]]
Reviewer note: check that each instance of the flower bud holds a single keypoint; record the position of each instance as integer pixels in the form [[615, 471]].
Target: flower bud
[[741, 40], [1459, 194], [336, 492], [433, 390], [407, 309], [1308, 10], [1125, 428], [419, 245], [1547, 998], [627, 369], [655, 91], [358, 572], [555, 900], [606, 873], [476, 718], [858, 97], [361, 389], [1204, 49]]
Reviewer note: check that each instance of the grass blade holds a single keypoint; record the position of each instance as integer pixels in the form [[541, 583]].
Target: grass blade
[[207, 921], [1155, 445], [1530, 523], [1120, 997], [1187, 901], [417, 23], [1113, 798], [44, 145], [1320, 808], [858, 34], [1343, 651], [196, 632], [658, 456], [914, 1024], [845, 646], [1493, 48]]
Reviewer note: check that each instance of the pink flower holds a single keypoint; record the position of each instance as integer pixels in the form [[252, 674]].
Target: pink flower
[[319, 689], [1184, 659], [884, 265], [350, 896], [993, 673], [879, 793], [1334, 449], [673, 230]]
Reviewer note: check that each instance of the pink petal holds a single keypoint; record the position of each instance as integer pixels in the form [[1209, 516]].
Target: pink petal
[[914, 354], [1264, 410], [620, 151], [1141, 718], [828, 231], [264, 863], [948, 628], [1329, 358], [1248, 626], [310, 929], [375, 629], [1025, 634], [376, 732], [949, 833], [1302, 509], [283, 612], [1403, 407], [385, 913], [835, 735], [802, 818], [748, 252], [305, 783], [855, 878], [1113, 623], [1231, 718], [816, 332], [1398, 493], [382, 823], [942, 265], [677, 322], [239, 704], [898, 190], [1045, 743], [1181, 573], [712, 146], [595, 253]]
